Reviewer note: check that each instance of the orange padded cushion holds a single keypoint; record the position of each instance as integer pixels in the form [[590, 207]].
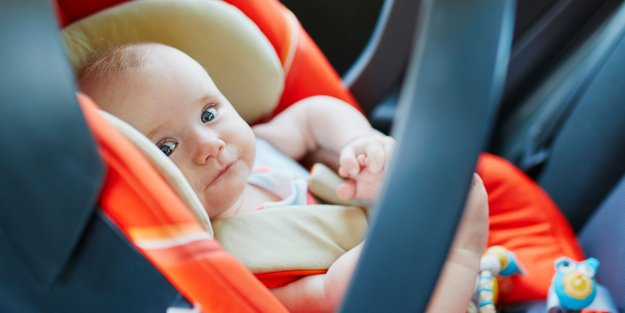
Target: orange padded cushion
[[70, 11], [308, 73], [525, 220]]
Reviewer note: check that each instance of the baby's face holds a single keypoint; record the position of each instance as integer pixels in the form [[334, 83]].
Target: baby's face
[[174, 102]]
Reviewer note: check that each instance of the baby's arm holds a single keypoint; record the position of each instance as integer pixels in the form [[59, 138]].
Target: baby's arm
[[331, 126], [320, 293], [315, 123]]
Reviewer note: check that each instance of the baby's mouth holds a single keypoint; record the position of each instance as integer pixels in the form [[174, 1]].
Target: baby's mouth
[[220, 174]]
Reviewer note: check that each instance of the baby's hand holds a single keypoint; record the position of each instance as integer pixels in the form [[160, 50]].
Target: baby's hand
[[363, 163]]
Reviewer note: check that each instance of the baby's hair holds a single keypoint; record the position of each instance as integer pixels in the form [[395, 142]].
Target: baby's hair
[[102, 66]]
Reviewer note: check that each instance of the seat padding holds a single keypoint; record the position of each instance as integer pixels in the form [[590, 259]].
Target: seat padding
[[524, 219], [231, 48]]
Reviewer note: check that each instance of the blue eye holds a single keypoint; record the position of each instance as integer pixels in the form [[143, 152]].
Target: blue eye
[[167, 147], [209, 114]]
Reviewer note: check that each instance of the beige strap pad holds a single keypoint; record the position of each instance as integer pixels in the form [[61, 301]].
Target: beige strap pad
[[291, 237]]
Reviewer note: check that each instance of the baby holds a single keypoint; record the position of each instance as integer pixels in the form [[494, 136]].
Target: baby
[[171, 99]]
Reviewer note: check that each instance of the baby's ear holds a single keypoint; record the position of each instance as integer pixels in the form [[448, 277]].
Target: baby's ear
[[592, 262]]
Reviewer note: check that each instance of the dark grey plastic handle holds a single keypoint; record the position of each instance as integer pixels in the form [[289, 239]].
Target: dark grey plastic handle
[[447, 106]]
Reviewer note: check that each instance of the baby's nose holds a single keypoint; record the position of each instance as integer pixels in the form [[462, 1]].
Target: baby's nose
[[209, 148]]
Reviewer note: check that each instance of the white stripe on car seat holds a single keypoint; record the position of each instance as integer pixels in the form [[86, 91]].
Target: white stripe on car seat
[[171, 242], [294, 26]]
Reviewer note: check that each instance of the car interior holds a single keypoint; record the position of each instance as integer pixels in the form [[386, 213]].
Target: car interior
[[538, 83]]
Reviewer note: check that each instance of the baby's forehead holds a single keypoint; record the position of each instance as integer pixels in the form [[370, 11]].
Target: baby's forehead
[[145, 70], [132, 57]]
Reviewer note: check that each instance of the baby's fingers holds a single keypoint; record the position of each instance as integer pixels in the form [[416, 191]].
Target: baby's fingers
[[346, 190], [389, 147], [349, 165], [376, 158]]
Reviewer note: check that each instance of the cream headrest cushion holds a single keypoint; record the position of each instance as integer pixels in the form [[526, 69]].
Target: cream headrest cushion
[[223, 40]]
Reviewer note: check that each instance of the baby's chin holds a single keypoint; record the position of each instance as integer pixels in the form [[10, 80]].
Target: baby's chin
[[217, 210], [224, 196], [222, 204]]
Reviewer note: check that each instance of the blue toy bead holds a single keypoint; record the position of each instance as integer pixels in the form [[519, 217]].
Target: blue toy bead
[[512, 267]]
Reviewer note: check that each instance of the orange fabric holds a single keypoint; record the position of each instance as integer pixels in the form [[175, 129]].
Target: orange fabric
[[62, 19], [164, 231], [277, 279], [310, 73], [526, 221], [73, 10], [270, 19]]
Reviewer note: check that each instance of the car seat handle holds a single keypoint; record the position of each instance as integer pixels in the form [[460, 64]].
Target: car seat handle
[[447, 105], [51, 171]]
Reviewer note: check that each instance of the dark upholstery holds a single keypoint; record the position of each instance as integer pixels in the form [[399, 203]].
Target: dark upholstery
[[587, 155], [603, 237]]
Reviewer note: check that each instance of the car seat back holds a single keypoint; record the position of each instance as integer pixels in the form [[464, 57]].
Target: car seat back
[[603, 237], [587, 155], [544, 32], [570, 132]]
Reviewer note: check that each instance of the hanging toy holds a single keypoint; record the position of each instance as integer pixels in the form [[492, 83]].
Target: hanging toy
[[487, 289], [496, 261], [574, 289], [573, 286], [507, 261]]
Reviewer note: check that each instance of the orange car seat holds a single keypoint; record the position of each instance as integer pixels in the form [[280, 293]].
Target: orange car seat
[[522, 217]]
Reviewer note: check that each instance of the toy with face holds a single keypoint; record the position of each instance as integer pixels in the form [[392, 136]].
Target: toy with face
[[574, 283]]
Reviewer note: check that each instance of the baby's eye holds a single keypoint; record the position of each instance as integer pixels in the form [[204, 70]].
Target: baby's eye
[[209, 114], [167, 146]]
